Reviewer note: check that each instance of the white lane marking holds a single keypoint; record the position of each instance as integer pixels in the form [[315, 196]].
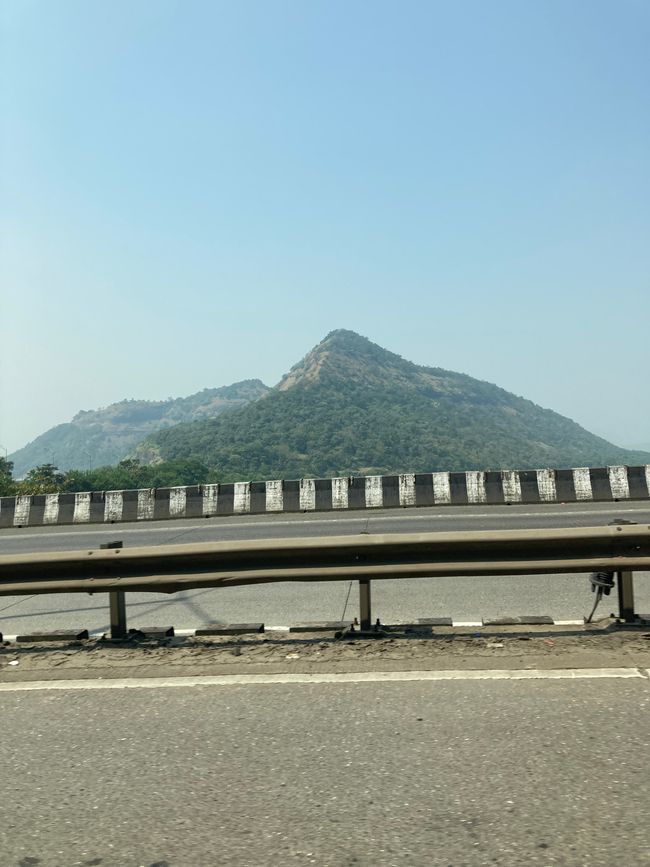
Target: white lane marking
[[360, 517], [331, 677]]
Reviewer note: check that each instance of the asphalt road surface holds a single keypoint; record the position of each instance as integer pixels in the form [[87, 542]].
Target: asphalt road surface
[[563, 597], [505, 772]]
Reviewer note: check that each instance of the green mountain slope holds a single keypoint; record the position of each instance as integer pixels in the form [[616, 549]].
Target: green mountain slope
[[351, 407], [106, 436]]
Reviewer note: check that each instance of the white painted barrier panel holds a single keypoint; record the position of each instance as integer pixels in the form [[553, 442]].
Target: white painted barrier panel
[[441, 489], [242, 498], [476, 487], [21, 513], [146, 504], [647, 477], [618, 482], [81, 514], [307, 495], [210, 499], [582, 483], [511, 486], [340, 493], [51, 511], [274, 496], [407, 489], [374, 492], [177, 502], [113, 505], [546, 486]]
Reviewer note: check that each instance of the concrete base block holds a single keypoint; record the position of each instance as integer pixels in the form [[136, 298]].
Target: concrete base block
[[434, 621], [321, 626], [230, 628], [53, 635], [349, 634], [155, 631], [524, 620]]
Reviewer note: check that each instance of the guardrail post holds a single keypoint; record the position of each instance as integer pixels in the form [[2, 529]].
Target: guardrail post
[[118, 613], [117, 603], [364, 604], [626, 596]]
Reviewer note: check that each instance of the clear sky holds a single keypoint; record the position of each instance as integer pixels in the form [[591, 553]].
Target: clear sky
[[195, 193]]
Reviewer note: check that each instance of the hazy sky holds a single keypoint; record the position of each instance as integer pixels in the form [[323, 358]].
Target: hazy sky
[[195, 193]]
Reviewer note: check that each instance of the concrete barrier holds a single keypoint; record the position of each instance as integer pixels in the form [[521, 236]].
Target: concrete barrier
[[582, 484]]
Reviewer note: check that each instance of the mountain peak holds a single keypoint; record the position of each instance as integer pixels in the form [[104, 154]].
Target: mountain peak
[[342, 354], [351, 407], [343, 340]]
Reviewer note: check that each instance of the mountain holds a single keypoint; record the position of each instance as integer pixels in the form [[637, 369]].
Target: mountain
[[105, 436], [351, 407], [644, 447]]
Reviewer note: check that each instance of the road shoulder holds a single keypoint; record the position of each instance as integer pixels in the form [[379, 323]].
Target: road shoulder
[[548, 648]]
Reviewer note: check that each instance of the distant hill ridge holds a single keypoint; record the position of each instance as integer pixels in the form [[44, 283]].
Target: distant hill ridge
[[105, 436], [351, 407]]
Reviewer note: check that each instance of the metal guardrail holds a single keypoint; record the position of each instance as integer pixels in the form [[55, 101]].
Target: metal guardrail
[[171, 568]]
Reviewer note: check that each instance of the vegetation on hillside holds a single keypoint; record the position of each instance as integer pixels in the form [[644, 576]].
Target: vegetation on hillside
[[352, 407], [349, 407], [128, 474], [95, 438]]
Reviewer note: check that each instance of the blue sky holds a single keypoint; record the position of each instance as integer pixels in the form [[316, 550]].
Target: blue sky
[[195, 193]]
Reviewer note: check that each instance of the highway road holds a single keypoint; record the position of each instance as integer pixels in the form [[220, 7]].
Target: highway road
[[460, 773], [563, 597]]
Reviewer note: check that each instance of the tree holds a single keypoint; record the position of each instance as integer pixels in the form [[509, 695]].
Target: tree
[[7, 484], [45, 479]]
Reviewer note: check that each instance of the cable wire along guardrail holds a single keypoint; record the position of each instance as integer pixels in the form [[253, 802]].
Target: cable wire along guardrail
[[170, 568]]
